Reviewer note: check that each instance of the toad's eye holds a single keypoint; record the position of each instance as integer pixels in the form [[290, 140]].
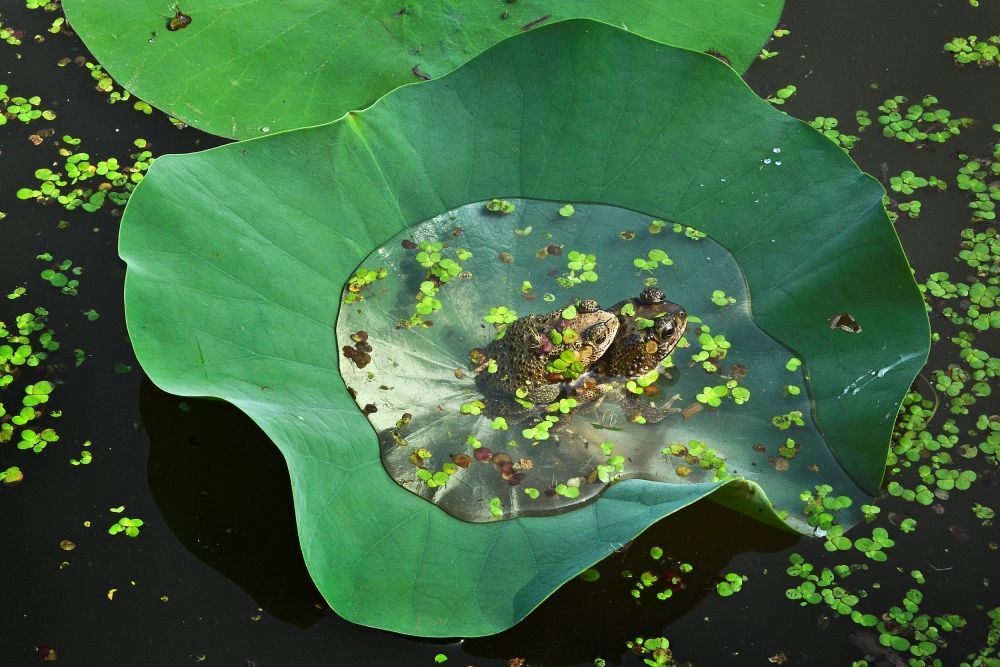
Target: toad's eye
[[598, 333], [665, 330]]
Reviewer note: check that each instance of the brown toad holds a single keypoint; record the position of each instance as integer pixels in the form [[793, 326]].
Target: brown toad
[[527, 348], [649, 328], [536, 365]]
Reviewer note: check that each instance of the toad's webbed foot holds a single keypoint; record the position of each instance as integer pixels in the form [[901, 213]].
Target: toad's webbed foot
[[635, 406]]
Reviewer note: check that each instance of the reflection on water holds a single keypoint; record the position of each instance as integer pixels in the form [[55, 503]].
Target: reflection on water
[[564, 630], [418, 338], [223, 489]]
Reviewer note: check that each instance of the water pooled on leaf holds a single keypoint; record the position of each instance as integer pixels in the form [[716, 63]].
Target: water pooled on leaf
[[447, 343]]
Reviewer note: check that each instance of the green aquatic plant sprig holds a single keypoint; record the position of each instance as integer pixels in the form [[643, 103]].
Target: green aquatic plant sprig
[[78, 169], [362, 278], [713, 350], [781, 95], [581, 262], [820, 506], [969, 49], [24, 109], [981, 250], [826, 126], [922, 122], [126, 525], [973, 178]]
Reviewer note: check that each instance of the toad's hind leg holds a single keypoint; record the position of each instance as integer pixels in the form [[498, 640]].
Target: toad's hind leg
[[635, 406]]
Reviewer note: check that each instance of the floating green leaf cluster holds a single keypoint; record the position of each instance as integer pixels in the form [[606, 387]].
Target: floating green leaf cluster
[[697, 453], [826, 126], [17, 353], [540, 430], [712, 396], [19, 108], [902, 627], [983, 312], [781, 95], [105, 83], [78, 168], [656, 257], [907, 183], [720, 299], [981, 250], [657, 648], [971, 50], [732, 583], [689, 232], [359, 280], [59, 279], [47, 5], [984, 513], [126, 525], [440, 271], [638, 385], [502, 207], [919, 122], [611, 471], [783, 422], [85, 456], [713, 350], [581, 262], [433, 479], [820, 506], [9, 35], [11, 475], [972, 178]]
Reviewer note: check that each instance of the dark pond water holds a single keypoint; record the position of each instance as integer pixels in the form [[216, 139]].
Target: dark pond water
[[216, 570]]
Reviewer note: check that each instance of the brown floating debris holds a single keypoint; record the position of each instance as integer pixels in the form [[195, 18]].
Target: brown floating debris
[[360, 352], [506, 258], [692, 409]]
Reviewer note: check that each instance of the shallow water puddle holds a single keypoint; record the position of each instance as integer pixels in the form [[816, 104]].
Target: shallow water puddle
[[489, 427]]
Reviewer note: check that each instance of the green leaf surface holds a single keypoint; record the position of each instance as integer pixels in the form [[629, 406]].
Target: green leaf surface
[[237, 257], [242, 69]]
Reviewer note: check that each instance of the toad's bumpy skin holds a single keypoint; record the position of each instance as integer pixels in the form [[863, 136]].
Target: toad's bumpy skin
[[612, 347], [526, 348]]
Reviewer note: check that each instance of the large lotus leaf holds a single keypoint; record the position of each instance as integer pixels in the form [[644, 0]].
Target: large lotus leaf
[[240, 69], [237, 257]]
